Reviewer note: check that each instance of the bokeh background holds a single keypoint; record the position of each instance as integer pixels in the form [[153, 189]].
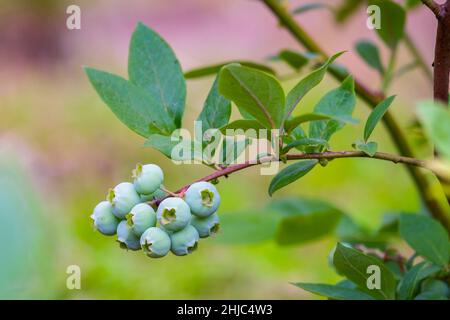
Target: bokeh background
[[61, 149]]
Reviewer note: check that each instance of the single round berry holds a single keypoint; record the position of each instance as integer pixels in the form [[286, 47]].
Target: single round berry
[[147, 178], [141, 217], [173, 214], [155, 242], [123, 198], [126, 237], [206, 226], [184, 241], [203, 199], [104, 220]]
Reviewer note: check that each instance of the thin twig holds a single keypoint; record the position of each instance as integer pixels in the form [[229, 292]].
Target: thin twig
[[303, 156]]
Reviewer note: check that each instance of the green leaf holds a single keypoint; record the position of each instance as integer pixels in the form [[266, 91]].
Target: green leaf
[[232, 148], [216, 110], [307, 84], [247, 227], [376, 115], [294, 59], [435, 119], [309, 7], [136, 108], [369, 52], [338, 103], [393, 19], [426, 236], [290, 174], [153, 66], [254, 91], [353, 264], [334, 292], [369, 148], [305, 142], [292, 123], [163, 144], [242, 125], [409, 285], [215, 68]]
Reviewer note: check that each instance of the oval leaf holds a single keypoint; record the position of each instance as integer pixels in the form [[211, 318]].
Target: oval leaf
[[426, 236], [354, 264], [306, 84], [290, 174], [334, 292], [131, 104], [254, 91], [376, 115], [369, 52], [392, 24], [153, 66]]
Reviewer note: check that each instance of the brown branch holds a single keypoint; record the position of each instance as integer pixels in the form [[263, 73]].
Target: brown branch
[[433, 6], [442, 54], [372, 99], [303, 156]]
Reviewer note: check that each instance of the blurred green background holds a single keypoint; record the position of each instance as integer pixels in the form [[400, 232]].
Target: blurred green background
[[61, 149]]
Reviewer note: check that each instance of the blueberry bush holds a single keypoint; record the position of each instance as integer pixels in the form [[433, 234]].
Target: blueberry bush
[[147, 216]]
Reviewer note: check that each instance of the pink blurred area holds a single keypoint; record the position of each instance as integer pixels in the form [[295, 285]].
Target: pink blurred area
[[200, 32]]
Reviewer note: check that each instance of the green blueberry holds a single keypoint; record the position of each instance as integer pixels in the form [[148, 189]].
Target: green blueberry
[[104, 220], [173, 214], [126, 237], [184, 241], [147, 178], [203, 199], [155, 242], [206, 226], [434, 285], [123, 198], [141, 217]]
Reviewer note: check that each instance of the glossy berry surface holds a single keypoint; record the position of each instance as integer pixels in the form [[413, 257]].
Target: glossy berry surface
[[147, 178]]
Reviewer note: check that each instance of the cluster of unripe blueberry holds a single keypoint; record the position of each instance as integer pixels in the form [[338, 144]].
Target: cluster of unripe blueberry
[[177, 224]]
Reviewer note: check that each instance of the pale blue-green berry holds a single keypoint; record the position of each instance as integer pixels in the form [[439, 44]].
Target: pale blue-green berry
[[206, 226], [173, 214], [126, 237], [436, 286], [147, 178], [123, 197], [203, 199], [104, 220], [184, 241], [158, 194], [141, 217], [155, 242]]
